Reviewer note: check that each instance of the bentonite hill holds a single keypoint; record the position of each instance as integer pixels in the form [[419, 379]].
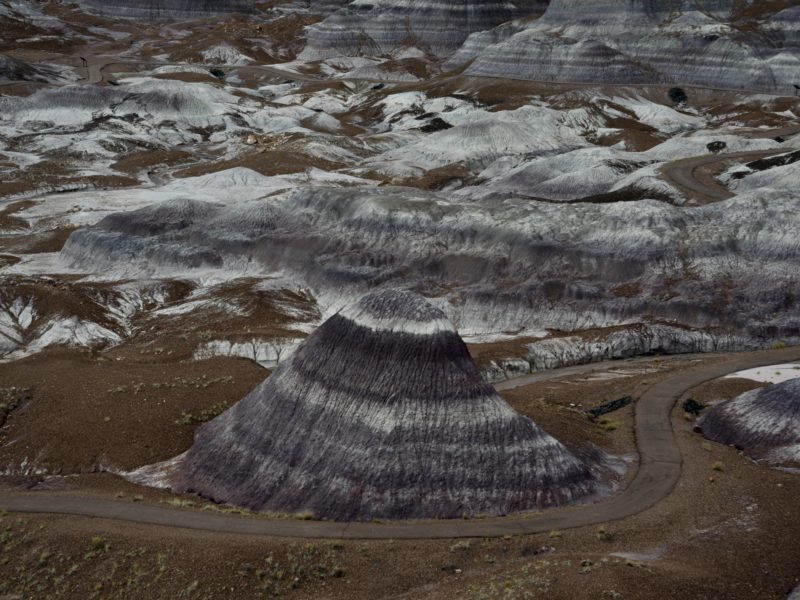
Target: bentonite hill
[[380, 413], [765, 423]]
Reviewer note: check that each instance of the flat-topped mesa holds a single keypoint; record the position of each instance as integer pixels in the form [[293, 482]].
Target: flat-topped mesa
[[380, 413], [374, 27], [157, 10], [764, 423]]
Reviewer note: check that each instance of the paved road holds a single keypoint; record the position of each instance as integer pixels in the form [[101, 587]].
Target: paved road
[[658, 472], [685, 173]]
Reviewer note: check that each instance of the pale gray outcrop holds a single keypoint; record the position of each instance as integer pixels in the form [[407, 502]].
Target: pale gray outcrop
[[726, 268]]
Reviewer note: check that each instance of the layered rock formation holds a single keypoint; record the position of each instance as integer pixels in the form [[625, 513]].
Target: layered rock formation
[[689, 42], [366, 27], [765, 423], [12, 69], [520, 266], [167, 9], [380, 413]]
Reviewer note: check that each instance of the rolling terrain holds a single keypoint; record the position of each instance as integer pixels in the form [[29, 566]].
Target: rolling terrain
[[600, 198]]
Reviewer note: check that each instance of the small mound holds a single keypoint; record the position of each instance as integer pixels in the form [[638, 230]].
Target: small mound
[[380, 413], [765, 423]]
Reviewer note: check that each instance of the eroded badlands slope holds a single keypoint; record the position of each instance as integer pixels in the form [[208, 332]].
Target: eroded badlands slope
[[715, 44], [181, 181]]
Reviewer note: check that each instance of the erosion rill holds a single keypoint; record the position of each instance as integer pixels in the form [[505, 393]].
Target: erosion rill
[[381, 413]]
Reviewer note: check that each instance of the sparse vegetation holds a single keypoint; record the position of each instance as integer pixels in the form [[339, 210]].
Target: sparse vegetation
[[607, 425], [604, 535], [104, 570], [205, 414], [302, 565], [530, 581], [461, 546]]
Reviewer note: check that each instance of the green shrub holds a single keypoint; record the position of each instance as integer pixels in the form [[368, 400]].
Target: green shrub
[[604, 535]]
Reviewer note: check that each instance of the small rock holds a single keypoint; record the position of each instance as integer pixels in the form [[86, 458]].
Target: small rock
[[452, 569]]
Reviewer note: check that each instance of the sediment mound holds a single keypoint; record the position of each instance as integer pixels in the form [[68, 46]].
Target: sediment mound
[[380, 413], [765, 423]]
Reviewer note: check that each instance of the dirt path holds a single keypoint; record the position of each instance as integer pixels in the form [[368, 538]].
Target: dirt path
[[658, 472], [694, 176]]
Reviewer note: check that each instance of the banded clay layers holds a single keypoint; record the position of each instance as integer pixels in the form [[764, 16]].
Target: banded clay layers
[[376, 27], [167, 9], [381, 413], [764, 423]]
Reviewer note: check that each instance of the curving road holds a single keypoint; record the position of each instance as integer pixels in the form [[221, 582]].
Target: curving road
[[658, 472], [686, 175]]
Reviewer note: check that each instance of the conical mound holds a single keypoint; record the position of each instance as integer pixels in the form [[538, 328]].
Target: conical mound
[[764, 422], [380, 413]]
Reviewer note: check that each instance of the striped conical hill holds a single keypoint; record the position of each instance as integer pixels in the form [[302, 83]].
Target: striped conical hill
[[380, 413]]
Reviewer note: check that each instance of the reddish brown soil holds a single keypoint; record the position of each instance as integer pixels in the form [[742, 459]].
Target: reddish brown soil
[[265, 161], [483, 354], [691, 544], [139, 161], [50, 241], [87, 413], [724, 389], [37, 178]]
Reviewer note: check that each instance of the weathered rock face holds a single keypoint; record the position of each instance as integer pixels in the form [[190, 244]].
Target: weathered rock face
[[519, 266], [613, 15], [538, 58], [380, 413], [12, 69], [367, 27], [167, 9], [688, 42], [765, 423]]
